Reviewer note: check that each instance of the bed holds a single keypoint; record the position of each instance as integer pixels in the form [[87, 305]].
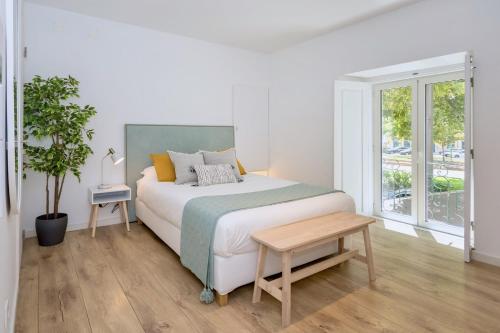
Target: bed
[[160, 205]]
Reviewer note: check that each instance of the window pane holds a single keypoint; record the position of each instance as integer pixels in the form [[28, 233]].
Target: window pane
[[396, 105], [445, 152]]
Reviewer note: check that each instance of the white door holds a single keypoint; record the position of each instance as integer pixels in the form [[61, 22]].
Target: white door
[[251, 125], [442, 139], [14, 105], [469, 157], [3, 102], [352, 142]]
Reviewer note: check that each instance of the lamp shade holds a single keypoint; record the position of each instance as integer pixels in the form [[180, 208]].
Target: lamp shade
[[117, 159]]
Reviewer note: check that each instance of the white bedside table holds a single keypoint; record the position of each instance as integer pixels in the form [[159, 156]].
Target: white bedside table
[[117, 193]]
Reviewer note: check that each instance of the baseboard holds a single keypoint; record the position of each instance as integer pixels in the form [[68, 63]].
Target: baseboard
[[71, 227], [486, 258]]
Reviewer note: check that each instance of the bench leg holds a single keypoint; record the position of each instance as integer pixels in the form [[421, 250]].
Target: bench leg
[[261, 261], [286, 290], [340, 245], [340, 248], [369, 253]]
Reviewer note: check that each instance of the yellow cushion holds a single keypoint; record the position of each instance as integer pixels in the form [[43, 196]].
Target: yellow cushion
[[241, 167], [165, 171]]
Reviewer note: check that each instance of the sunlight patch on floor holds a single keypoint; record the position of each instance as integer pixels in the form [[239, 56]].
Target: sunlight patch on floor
[[411, 230], [447, 239], [402, 228]]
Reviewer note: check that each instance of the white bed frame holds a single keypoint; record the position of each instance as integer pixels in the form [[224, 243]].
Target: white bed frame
[[229, 272]]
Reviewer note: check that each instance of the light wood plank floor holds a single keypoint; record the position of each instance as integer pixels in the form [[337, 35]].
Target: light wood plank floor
[[132, 282]]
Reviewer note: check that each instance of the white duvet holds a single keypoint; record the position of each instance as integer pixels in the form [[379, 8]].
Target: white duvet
[[232, 234]]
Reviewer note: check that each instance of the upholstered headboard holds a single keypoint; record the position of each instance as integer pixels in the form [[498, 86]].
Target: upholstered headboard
[[142, 140]]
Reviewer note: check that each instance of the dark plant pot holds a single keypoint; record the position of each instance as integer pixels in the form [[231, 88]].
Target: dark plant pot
[[49, 230]]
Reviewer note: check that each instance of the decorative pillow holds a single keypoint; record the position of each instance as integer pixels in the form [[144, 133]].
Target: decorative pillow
[[183, 163], [215, 174], [165, 171], [149, 173], [240, 166], [223, 157]]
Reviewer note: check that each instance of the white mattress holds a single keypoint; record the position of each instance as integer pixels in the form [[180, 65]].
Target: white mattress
[[232, 234]]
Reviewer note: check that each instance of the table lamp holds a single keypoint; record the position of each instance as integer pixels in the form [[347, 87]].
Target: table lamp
[[116, 158]]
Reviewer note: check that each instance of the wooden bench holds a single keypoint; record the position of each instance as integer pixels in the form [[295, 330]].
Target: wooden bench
[[296, 237]]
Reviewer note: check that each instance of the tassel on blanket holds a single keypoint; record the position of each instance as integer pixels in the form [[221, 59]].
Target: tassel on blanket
[[207, 296]]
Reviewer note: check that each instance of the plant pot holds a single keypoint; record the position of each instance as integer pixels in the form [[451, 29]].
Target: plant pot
[[50, 230]]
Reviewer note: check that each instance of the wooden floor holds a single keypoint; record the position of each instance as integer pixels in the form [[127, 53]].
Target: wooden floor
[[132, 282]]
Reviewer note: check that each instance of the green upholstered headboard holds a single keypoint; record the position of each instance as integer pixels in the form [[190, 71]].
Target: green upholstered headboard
[[142, 140]]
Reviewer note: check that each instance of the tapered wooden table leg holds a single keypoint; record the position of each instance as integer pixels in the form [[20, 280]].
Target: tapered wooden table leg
[[286, 290], [94, 220], [261, 261], [93, 209], [369, 254], [123, 208]]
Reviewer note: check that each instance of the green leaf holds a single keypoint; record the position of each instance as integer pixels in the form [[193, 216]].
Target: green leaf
[[55, 131]]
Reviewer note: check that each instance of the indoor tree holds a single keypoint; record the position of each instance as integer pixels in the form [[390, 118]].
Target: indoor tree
[[55, 133]]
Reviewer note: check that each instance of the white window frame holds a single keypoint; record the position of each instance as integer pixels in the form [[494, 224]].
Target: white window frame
[[418, 205], [421, 192], [377, 150]]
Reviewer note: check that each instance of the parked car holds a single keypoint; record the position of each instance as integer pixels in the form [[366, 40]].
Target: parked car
[[402, 193], [405, 151], [393, 150], [456, 153]]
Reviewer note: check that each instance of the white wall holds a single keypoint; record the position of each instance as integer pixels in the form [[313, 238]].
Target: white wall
[[131, 75], [301, 99], [251, 126]]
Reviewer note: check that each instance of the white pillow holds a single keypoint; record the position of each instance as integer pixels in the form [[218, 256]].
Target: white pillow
[[183, 163], [149, 173], [211, 174]]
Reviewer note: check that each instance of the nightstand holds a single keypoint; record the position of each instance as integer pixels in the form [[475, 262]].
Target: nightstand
[[116, 193]]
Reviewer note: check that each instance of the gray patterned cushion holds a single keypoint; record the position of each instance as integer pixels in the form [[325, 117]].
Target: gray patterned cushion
[[183, 163], [214, 174], [223, 157]]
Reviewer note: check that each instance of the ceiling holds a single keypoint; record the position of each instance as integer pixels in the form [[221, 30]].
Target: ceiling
[[259, 25]]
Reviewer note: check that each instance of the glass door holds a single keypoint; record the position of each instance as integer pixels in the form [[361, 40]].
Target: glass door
[[443, 143], [420, 150], [395, 153]]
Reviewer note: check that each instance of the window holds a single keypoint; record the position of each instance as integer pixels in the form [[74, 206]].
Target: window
[[419, 162]]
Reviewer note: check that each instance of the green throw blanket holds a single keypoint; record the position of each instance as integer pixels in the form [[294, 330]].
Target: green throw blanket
[[200, 218]]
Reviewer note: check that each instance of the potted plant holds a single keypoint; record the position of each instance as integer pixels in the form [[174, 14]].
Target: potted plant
[[55, 137]]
